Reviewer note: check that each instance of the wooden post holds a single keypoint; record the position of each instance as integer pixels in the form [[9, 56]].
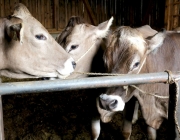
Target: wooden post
[[172, 129]]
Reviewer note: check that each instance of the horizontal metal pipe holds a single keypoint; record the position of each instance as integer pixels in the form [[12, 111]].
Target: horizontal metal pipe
[[83, 83]]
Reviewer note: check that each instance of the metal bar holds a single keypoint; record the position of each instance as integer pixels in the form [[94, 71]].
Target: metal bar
[[1, 121], [83, 83]]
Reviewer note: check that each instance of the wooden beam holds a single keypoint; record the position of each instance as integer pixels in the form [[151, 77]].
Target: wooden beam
[[90, 12]]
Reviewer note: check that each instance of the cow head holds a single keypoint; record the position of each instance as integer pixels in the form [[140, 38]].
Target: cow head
[[126, 54], [81, 40], [28, 50]]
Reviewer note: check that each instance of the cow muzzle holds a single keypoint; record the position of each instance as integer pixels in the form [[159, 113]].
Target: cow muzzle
[[111, 102], [68, 68]]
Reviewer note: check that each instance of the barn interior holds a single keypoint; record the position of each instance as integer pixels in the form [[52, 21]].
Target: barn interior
[[67, 115]]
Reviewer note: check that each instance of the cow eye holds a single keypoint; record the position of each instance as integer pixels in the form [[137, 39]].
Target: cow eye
[[74, 47], [41, 37], [136, 65]]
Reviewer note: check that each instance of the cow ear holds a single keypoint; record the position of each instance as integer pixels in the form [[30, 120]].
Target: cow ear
[[146, 31], [103, 28], [155, 41], [14, 27]]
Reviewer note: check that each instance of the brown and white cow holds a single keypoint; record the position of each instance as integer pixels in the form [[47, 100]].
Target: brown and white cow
[[130, 53], [27, 50]]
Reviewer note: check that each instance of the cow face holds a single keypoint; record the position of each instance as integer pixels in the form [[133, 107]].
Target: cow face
[[126, 54], [28, 50], [84, 36], [82, 41]]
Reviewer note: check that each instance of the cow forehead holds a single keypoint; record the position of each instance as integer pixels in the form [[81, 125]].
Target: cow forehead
[[133, 39], [83, 29]]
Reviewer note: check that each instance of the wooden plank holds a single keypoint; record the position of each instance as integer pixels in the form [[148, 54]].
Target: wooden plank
[[45, 14], [90, 12], [11, 5], [169, 27], [51, 25], [42, 13], [76, 8], [2, 14], [6, 8], [55, 30], [56, 14], [39, 6], [69, 10], [62, 14], [73, 8]]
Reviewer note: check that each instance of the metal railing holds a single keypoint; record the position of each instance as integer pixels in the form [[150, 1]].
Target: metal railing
[[81, 83]]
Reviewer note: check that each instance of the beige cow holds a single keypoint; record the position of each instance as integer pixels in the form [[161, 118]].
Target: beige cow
[[82, 41], [27, 50]]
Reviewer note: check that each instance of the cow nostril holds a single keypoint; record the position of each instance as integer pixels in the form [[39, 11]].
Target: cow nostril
[[74, 64], [113, 104]]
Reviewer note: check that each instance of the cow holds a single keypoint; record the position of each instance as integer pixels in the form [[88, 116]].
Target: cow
[[105, 115], [73, 21], [27, 50], [129, 52], [91, 45], [82, 41]]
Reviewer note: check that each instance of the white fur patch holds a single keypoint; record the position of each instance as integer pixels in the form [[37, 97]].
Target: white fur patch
[[120, 102], [68, 68]]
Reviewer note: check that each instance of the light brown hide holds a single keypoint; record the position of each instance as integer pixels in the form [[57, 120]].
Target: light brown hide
[[23, 55]]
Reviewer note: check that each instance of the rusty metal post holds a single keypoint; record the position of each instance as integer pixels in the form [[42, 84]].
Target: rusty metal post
[[172, 129]]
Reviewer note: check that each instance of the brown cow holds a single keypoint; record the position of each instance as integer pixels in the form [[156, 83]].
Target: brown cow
[[27, 50], [129, 53]]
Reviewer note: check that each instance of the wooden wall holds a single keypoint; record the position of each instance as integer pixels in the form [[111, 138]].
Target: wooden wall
[[54, 14], [172, 14]]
